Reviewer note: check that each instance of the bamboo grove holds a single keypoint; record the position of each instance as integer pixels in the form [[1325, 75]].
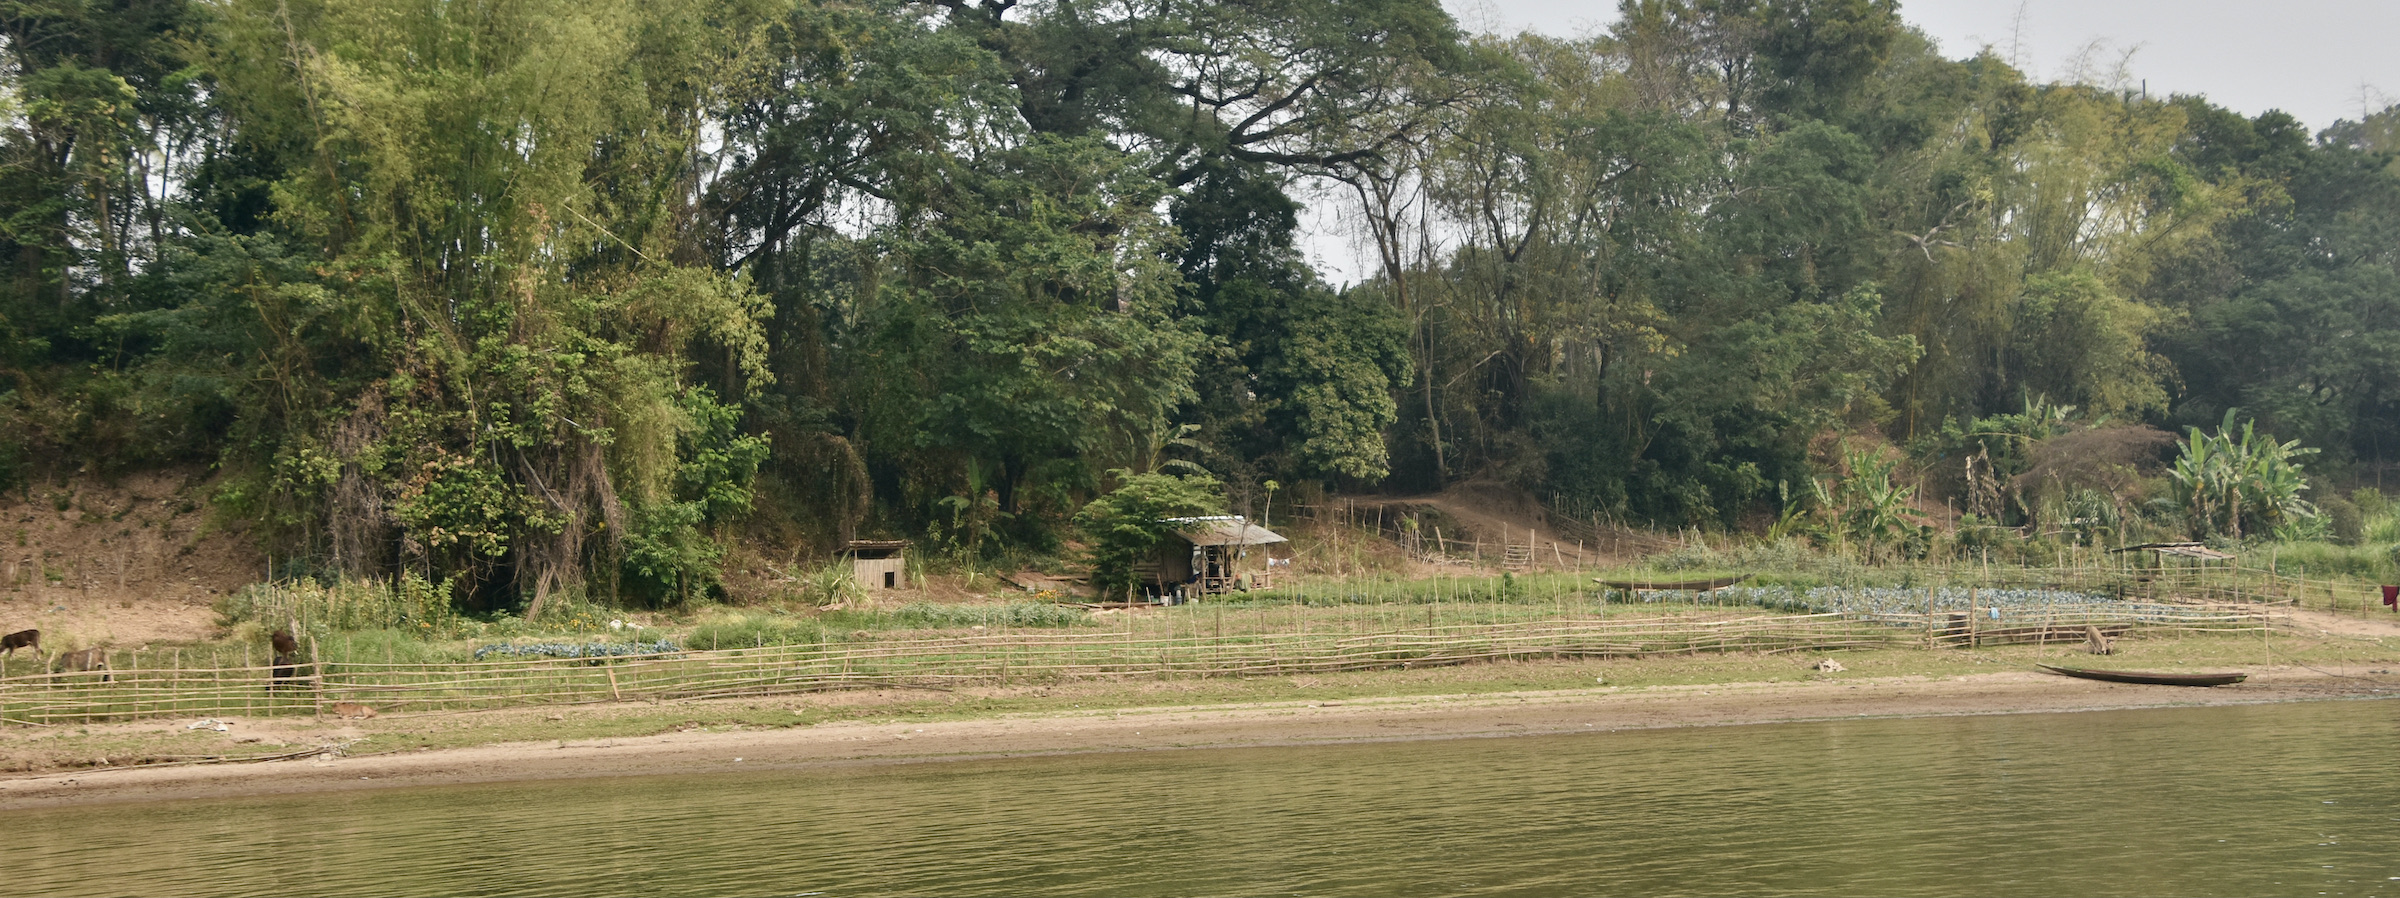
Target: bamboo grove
[[523, 297]]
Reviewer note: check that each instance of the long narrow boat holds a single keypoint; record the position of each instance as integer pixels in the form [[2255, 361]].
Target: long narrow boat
[[1678, 585], [2148, 677]]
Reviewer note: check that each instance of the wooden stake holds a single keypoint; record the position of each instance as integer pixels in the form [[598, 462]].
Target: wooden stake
[[1972, 615], [316, 670]]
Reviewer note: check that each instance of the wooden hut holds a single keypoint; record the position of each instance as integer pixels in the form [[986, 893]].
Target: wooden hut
[[878, 563], [1207, 556]]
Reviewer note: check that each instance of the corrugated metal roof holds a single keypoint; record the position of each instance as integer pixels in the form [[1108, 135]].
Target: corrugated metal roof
[[1226, 532]]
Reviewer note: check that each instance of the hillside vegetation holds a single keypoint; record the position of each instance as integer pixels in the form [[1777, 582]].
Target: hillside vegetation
[[513, 305]]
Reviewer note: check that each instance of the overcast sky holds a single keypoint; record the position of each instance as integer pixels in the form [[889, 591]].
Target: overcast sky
[[2309, 58]]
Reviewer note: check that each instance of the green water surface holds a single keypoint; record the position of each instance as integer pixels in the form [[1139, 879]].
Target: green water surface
[[2299, 799]]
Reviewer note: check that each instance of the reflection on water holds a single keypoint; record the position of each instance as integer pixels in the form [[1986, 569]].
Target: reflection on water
[[2257, 800]]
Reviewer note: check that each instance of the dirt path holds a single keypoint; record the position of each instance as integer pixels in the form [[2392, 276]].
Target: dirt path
[[2333, 623], [1600, 709]]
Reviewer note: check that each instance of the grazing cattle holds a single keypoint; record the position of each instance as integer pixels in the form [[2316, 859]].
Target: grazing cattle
[[22, 639], [79, 662], [2097, 642], [287, 657]]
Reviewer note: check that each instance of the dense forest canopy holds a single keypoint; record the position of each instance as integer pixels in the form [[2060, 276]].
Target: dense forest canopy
[[525, 296]]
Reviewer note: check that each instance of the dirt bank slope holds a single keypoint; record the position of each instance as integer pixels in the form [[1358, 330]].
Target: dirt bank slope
[[117, 563]]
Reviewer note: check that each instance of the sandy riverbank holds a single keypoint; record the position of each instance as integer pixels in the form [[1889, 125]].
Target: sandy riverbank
[[1305, 722]]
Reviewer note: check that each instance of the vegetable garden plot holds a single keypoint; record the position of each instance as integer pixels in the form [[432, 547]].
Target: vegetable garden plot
[[1872, 620]]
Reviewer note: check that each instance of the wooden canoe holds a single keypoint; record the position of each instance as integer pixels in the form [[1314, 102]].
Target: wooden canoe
[[2148, 677], [1682, 585]]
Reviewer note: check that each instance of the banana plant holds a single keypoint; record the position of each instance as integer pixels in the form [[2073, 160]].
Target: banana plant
[[1872, 503], [1864, 504], [975, 515], [2224, 482]]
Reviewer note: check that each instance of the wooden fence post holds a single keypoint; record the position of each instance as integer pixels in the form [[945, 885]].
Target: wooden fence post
[[1972, 614], [316, 679]]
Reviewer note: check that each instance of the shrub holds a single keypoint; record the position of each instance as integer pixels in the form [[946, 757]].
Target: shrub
[[1014, 614], [412, 606], [2379, 516], [1128, 524], [2323, 559], [754, 630], [833, 584], [2344, 519], [1686, 558]]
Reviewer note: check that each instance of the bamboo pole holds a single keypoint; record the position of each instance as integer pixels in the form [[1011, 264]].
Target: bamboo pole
[[316, 679], [1974, 616]]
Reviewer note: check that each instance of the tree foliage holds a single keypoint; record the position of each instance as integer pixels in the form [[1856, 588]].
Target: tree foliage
[[524, 296], [1126, 525], [2228, 482]]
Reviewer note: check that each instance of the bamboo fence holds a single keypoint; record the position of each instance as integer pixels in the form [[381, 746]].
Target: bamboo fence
[[1587, 537], [138, 691]]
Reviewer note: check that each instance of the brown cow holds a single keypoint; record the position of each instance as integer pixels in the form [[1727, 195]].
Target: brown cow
[[287, 657], [86, 660], [22, 639]]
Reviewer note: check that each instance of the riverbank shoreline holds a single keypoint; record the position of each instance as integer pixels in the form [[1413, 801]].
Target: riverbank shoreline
[[1252, 724]]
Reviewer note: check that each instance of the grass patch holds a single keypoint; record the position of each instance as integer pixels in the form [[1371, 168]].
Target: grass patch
[[391, 647], [734, 630], [2370, 561]]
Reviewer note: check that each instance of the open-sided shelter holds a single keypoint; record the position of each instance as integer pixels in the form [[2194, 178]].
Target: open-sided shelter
[[1210, 555]]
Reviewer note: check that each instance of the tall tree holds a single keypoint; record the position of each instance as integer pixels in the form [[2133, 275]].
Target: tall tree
[[484, 190]]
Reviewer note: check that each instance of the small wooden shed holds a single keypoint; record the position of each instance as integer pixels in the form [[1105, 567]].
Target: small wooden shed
[[878, 563], [1211, 555]]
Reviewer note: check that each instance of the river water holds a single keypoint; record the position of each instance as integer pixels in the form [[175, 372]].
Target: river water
[[2298, 799]]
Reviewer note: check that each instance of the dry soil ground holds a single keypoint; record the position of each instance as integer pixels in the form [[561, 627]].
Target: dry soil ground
[[121, 564]]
